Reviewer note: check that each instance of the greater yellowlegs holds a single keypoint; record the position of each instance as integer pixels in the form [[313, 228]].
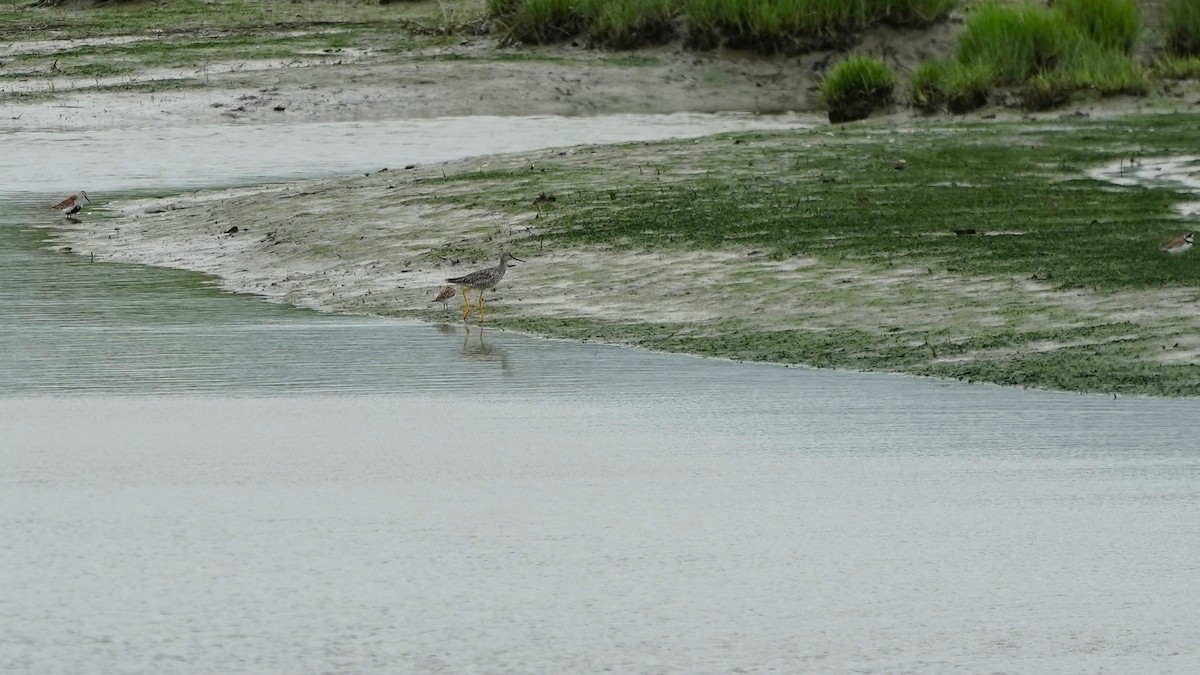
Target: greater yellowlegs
[[1180, 244], [482, 280], [73, 204], [444, 295]]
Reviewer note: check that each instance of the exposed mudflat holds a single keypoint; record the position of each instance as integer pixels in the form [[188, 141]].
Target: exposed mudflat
[[470, 79], [384, 243]]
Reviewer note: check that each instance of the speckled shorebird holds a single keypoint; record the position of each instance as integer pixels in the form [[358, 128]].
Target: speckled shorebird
[[73, 204], [444, 295], [1180, 244], [482, 280]]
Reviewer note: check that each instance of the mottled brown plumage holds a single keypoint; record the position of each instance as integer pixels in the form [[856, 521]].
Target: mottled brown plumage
[[73, 204], [482, 280], [444, 295]]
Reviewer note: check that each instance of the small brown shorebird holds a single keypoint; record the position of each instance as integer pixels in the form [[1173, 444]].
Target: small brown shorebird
[[444, 295], [1181, 244], [482, 280], [73, 204]]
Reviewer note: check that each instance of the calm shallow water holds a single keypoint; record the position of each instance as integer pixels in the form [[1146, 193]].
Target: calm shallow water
[[709, 522], [199, 482], [107, 159]]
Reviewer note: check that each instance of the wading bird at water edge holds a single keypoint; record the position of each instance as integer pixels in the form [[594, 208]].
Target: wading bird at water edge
[[444, 295], [73, 204], [482, 280]]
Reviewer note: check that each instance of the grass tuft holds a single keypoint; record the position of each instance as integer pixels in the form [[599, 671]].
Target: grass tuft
[[708, 21], [1183, 27], [949, 85], [1047, 54], [541, 21], [1178, 67], [633, 23], [918, 13], [1108, 73], [856, 87], [1018, 41], [928, 85], [1111, 24], [764, 26], [1045, 91], [967, 86], [772, 26]]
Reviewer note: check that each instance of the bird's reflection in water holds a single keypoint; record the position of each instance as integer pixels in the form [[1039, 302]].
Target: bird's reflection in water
[[476, 348]]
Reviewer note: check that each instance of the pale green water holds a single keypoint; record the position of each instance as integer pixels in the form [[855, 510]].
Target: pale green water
[[74, 326]]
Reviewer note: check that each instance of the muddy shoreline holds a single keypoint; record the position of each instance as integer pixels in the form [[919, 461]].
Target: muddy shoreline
[[383, 244], [390, 258]]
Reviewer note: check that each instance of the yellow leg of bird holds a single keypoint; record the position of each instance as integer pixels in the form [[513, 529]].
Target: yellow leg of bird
[[466, 305], [481, 316]]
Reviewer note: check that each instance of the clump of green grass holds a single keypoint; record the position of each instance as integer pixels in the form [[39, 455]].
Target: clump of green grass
[[1108, 73], [1046, 90], [800, 25], [1018, 41], [618, 24], [967, 86], [1047, 54], [1178, 67], [765, 26], [31, 19], [710, 22], [856, 87], [633, 23], [795, 25], [1183, 27], [542, 21], [917, 13], [948, 85], [1111, 24], [770, 26], [1056, 88], [928, 85], [707, 21]]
